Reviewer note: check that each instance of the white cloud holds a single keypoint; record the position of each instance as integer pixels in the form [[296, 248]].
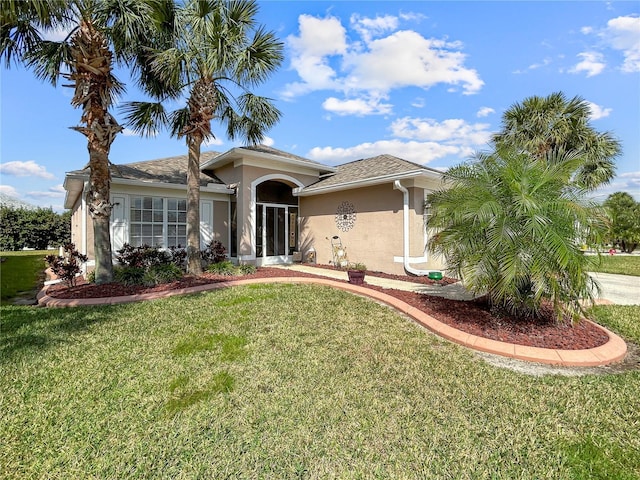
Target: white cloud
[[405, 59], [586, 30], [418, 152], [319, 38], [357, 106], [324, 59], [54, 192], [373, 27], [268, 141], [592, 63], [9, 190], [598, 112], [127, 132], [626, 182], [544, 63], [57, 35], [419, 102], [623, 33], [451, 131], [25, 169], [212, 141], [485, 112]]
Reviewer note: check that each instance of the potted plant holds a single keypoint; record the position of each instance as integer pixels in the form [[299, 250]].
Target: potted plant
[[356, 272]]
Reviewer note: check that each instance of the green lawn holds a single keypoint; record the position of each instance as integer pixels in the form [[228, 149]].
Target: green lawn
[[622, 264], [292, 381], [19, 273]]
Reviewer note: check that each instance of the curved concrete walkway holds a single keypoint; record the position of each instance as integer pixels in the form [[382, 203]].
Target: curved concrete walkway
[[612, 351]]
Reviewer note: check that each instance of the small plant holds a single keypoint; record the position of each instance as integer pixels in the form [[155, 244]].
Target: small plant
[[357, 266], [247, 269], [68, 266], [223, 268], [214, 253], [158, 274], [128, 275]]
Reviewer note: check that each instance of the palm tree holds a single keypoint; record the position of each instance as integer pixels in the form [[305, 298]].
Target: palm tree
[[100, 34], [219, 52], [512, 229], [540, 125]]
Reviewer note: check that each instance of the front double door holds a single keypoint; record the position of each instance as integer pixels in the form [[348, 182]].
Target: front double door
[[276, 233]]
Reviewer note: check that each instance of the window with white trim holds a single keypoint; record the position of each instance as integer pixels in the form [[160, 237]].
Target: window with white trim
[[159, 222], [176, 222]]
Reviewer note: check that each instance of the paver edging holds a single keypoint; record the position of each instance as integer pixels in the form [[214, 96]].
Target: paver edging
[[611, 352]]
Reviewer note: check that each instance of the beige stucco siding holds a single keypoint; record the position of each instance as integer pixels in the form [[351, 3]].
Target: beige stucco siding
[[376, 238], [221, 223], [247, 177]]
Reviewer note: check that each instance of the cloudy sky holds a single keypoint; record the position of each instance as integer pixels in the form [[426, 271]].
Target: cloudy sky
[[425, 81]]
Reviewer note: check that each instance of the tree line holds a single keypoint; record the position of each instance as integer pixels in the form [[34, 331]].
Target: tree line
[[38, 228]]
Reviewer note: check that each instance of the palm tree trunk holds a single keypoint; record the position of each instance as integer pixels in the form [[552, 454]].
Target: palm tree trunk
[[93, 83], [194, 263], [100, 209]]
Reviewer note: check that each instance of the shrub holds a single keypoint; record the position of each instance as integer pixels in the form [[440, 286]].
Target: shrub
[[129, 275], [144, 256], [223, 268], [68, 266], [214, 252], [158, 274], [179, 257], [247, 269]]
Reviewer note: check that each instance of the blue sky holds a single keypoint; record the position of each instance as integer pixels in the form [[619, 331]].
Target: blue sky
[[425, 81]]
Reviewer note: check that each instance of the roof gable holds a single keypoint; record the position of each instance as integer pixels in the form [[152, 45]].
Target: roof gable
[[382, 167]]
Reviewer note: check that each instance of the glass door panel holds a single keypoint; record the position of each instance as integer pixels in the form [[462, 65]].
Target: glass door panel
[[275, 231]]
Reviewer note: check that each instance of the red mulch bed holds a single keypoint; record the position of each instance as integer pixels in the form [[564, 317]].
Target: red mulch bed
[[472, 317]]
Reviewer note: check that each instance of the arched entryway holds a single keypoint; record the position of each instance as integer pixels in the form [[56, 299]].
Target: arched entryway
[[276, 222]]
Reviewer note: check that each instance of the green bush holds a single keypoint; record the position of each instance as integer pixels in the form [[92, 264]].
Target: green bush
[[129, 275], [223, 268], [158, 274], [247, 269]]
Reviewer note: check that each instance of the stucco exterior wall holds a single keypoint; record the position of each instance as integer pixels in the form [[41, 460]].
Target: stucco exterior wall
[[221, 223], [376, 238], [246, 176]]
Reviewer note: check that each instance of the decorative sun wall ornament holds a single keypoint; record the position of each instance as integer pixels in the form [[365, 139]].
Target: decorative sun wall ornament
[[345, 216]]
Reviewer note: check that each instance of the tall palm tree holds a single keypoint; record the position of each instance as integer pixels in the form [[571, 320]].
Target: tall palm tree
[[219, 52], [512, 228], [540, 125], [100, 34]]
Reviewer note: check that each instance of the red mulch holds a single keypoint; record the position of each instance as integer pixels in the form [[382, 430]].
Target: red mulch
[[472, 317]]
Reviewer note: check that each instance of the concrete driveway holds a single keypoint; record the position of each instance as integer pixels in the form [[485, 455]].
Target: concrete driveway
[[619, 289]]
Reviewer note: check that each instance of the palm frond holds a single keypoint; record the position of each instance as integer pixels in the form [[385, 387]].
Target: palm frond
[[145, 118]]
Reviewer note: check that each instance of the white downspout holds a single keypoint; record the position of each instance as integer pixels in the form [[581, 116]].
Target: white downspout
[[405, 231]]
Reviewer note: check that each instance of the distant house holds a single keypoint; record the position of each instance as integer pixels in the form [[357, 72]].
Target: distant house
[[268, 207]]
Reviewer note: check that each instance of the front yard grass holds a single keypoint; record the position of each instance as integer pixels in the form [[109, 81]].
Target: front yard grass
[[19, 273], [620, 264], [291, 381]]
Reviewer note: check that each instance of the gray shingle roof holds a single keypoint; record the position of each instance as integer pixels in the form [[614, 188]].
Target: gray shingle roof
[[367, 169], [281, 153], [164, 170]]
